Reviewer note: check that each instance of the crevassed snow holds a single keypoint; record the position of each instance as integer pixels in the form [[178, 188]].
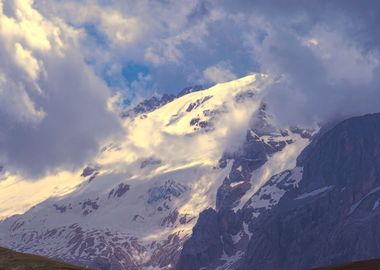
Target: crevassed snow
[[178, 144], [160, 147]]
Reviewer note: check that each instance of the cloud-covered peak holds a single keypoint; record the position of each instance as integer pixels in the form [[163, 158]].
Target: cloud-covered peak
[[62, 60]]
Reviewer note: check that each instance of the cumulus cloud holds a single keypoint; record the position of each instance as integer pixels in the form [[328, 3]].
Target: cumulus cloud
[[175, 40], [56, 56], [53, 109], [324, 71], [219, 73]]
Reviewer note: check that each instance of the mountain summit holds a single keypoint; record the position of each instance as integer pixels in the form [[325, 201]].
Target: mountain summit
[[137, 202]]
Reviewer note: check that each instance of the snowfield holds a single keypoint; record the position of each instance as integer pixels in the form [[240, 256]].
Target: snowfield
[[136, 202]]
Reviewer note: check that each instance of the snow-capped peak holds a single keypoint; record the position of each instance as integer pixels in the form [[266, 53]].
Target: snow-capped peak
[[143, 193]]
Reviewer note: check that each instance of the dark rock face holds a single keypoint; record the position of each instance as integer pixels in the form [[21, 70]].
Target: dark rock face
[[88, 171], [189, 90], [229, 237], [197, 103], [205, 244], [156, 102], [166, 191], [119, 191], [60, 208], [149, 105], [150, 162], [211, 235], [333, 215], [330, 216], [252, 155], [89, 206], [304, 133]]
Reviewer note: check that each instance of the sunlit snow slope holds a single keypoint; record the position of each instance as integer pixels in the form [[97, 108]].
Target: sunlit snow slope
[[136, 203]]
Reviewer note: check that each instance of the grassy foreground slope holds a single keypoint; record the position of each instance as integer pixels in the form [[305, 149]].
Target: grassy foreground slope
[[11, 260], [362, 265]]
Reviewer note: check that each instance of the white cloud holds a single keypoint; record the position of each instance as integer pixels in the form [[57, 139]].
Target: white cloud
[[219, 73], [320, 82], [345, 61], [53, 109], [156, 34], [119, 29], [325, 55], [25, 60]]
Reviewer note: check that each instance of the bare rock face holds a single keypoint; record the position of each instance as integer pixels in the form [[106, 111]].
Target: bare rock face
[[210, 239], [333, 215], [189, 90], [155, 102], [205, 245], [262, 141], [252, 155], [324, 212], [148, 105]]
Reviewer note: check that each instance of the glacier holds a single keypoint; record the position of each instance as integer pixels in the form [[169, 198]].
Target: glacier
[[136, 203]]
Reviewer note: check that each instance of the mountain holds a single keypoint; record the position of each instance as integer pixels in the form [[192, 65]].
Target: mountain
[[333, 215], [207, 180], [190, 89], [136, 203], [148, 105], [10, 260], [153, 103], [323, 212]]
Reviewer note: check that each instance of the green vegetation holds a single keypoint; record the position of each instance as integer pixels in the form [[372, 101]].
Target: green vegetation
[[10, 260]]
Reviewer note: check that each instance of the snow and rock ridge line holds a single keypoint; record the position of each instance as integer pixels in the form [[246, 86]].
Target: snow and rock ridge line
[[139, 199]]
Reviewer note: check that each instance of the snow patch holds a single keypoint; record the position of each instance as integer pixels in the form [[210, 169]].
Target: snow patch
[[234, 184], [356, 205], [278, 162], [314, 192]]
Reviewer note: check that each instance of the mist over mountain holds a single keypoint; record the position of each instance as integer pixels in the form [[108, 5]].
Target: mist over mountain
[[190, 134]]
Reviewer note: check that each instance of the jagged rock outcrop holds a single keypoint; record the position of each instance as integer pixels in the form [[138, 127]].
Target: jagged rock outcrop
[[323, 212], [210, 239], [262, 140], [148, 105], [333, 215]]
